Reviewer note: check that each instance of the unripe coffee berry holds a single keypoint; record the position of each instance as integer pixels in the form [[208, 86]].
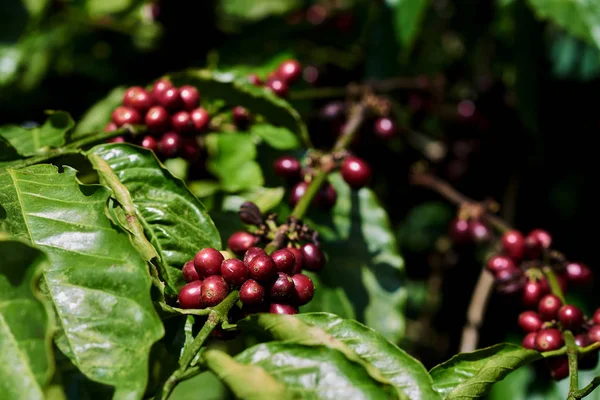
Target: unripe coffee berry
[[570, 316], [125, 115], [150, 143], [182, 122], [263, 269], [241, 241], [138, 98], [304, 289], [158, 119], [234, 272], [170, 99], [499, 263], [289, 71], [189, 272], [529, 341], [190, 296], [530, 321], [170, 144], [214, 290], [252, 293], [513, 243], [208, 262], [200, 119], [251, 253], [313, 257], [189, 97], [159, 87], [285, 309], [288, 168], [356, 172], [299, 260], [549, 339], [549, 306], [284, 260], [578, 274], [282, 289], [385, 128]]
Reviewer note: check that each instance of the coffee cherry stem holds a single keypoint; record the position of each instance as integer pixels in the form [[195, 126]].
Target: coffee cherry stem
[[554, 285], [572, 356], [580, 394]]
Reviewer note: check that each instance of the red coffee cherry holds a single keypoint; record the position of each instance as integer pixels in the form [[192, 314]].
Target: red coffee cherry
[[480, 232], [138, 98], [594, 334], [304, 289], [241, 117], [282, 289], [254, 79], [111, 126], [559, 367], [125, 115], [549, 306], [542, 237], [570, 316], [596, 317], [459, 231], [182, 122], [241, 241], [170, 99], [252, 293], [297, 192], [299, 260], [159, 87], [251, 253], [499, 263], [385, 128], [158, 119], [326, 196], [513, 243], [263, 269], [579, 274], [549, 339], [190, 97], [170, 144], [313, 257], [189, 272], [289, 71], [117, 139], [200, 119], [150, 143], [356, 172], [284, 260], [234, 271], [587, 361], [530, 321], [532, 293], [190, 296], [282, 309], [529, 341], [278, 87], [208, 262], [288, 167], [214, 290]]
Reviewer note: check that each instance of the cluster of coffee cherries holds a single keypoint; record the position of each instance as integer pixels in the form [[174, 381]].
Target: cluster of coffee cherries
[[266, 283], [355, 171], [279, 80]]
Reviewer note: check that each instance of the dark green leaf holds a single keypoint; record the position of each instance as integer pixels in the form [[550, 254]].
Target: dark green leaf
[[236, 90], [370, 271], [473, 374], [580, 18], [408, 16], [29, 142], [174, 220], [276, 137], [383, 360], [98, 116], [98, 283], [231, 159], [26, 324], [206, 385], [256, 10], [316, 372], [330, 298]]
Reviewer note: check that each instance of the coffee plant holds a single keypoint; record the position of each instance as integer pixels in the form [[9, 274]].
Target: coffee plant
[[271, 199]]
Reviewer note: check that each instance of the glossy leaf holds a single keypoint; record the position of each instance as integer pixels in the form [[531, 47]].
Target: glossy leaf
[[315, 372], [408, 17], [580, 18], [473, 374], [370, 271], [174, 220], [236, 90], [98, 116], [232, 159], [29, 142], [26, 323], [98, 283], [383, 360], [277, 137], [257, 9]]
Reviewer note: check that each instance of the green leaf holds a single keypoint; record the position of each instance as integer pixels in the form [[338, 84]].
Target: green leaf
[[98, 283], [277, 137], [383, 360], [231, 159], [258, 9], [580, 18], [174, 220], [370, 271], [96, 118], [315, 372], [36, 7], [29, 142], [423, 225], [236, 90], [408, 16], [265, 198], [96, 8], [207, 384], [473, 374], [7, 151], [330, 298], [26, 323]]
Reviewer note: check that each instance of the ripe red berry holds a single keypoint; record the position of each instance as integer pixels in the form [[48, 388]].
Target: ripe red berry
[[111, 126], [499, 263], [252, 293], [542, 236], [138, 98], [254, 79], [313, 257], [282, 289], [282, 309], [125, 115], [297, 192], [181, 122], [559, 367], [200, 119], [513, 243], [529, 341], [189, 272], [594, 334], [480, 232], [159, 87], [190, 150], [208, 262], [385, 128], [214, 290], [570, 316], [241, 241], [234, 272], [251, 253], [459, 231], [150, 143], [549, 339], [289, 71], [530, 321], [532, 293], [299, 260], [189, 97], [304, 289], [549, 306], [284, 260], [356, 172], [278, 87], [579, 274], [288, 168], [158, 119], [117, 139], [190, 296], [562, 282], [263, 269], [596, 317], [170, 144], [586, 361], [326, 196], [241, 117], [171, 99]]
